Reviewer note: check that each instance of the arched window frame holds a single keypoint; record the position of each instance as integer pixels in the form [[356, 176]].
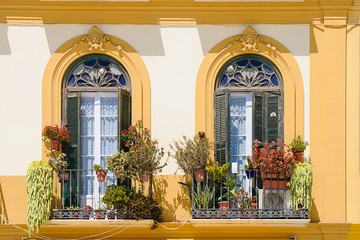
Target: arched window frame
[[266, 100]]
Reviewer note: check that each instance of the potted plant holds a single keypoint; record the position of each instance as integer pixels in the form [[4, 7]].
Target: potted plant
[[192, 155], [142, 207], [100, 173], [120, 164], [56, 135], [300, 188], [274, 162], [298, 146], [59, 164], [117, 199], [227, 192], [144, 153], [249, 168]]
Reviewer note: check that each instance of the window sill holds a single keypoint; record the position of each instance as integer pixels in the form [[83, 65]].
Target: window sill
[[297, 223], [137, 223]]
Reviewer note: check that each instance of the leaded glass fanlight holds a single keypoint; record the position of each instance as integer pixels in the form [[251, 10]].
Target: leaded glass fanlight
[[96, 71], [249, 71]]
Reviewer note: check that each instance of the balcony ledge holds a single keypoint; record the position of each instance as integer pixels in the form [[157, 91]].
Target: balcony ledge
[[297, 223], [135, 223]]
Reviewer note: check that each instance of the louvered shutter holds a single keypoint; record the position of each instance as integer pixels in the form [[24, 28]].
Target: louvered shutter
[[73, 125], [124, 117], [267, 116], [259, 116], [71, 193], [273, 116], [221, 125]]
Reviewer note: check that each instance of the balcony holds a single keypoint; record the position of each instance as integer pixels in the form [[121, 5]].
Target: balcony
[[249, 195], [79, 193]]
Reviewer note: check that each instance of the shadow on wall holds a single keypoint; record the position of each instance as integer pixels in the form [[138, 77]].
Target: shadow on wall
[[4, 41], [173, 199], [3, 211], [146, 40]]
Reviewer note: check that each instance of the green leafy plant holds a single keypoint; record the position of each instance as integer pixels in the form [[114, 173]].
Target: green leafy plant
[[117, 197], [39, 187], [142, 207], [300, 186], [58, 161], [228, 188], [203, 196], [191, 154], [298, 144], [120, 163], [97, 167], [218, 172]]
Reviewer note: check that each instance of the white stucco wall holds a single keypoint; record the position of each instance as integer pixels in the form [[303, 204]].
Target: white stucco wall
[[25, 50]]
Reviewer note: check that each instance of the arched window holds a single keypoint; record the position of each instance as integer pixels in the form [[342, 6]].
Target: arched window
[[248, 102], [96, 108]]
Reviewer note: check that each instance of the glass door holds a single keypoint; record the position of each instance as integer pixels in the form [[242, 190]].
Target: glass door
[[99, 136]]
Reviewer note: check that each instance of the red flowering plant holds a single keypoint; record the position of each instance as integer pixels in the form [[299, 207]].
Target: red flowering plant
[[191, 154], [56, 133], [144, 153], [273, 157]]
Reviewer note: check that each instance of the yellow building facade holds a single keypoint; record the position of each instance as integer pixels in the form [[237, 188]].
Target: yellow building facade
[[173, 52]]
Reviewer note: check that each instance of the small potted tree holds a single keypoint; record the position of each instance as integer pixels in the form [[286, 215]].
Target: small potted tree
[[100, 173], [144, 153], [298, 146], [192, 155]]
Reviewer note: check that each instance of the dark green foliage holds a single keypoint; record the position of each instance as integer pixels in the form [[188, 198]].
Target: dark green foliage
[[117, 197], [142, 207]]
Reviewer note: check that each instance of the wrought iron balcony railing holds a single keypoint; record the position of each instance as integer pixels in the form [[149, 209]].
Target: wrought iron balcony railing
[[78, 196], [247, 195]]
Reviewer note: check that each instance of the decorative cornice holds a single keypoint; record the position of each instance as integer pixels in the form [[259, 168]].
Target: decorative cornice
[[96, 40], [249, 41]]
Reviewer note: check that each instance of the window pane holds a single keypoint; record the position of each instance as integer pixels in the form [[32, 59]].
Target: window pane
[[109, 126], [108, 145], [87, 106], [87, 146]]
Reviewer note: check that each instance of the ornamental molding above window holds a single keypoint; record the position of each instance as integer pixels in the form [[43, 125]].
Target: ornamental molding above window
[[97, 40], [250, 40]]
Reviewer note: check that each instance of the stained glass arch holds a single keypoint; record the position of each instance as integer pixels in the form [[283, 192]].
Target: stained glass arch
[[96, 72], [249, 71]]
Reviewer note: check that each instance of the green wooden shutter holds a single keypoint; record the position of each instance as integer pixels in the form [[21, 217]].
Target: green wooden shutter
[[73, 125], [267, 116], [124, 118], [221, 125], [72, 192], [258, 103], [272, 116]]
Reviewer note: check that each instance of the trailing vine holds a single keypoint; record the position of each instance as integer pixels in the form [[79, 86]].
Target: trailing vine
[[39, 186], [301, 183]]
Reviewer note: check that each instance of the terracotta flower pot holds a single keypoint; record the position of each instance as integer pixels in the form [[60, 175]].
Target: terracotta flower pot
[[275, 184], [224, 205], [299, 156], [101, 174], [55, 145], [200, 174], [117, 175], [63, 176], [280, 175]]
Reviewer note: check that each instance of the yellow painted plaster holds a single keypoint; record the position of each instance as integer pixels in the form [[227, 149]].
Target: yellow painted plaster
[[352, 125], [76, 48], [13, 199], [275, 52], [328, 120]]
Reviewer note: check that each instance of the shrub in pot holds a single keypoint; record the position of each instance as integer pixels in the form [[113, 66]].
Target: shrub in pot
[[192, 154], [142, 207], [298, 146], [120, 164]]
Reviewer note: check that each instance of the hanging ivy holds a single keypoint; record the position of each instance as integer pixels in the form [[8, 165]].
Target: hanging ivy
[[39, 185], [301, 183]]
